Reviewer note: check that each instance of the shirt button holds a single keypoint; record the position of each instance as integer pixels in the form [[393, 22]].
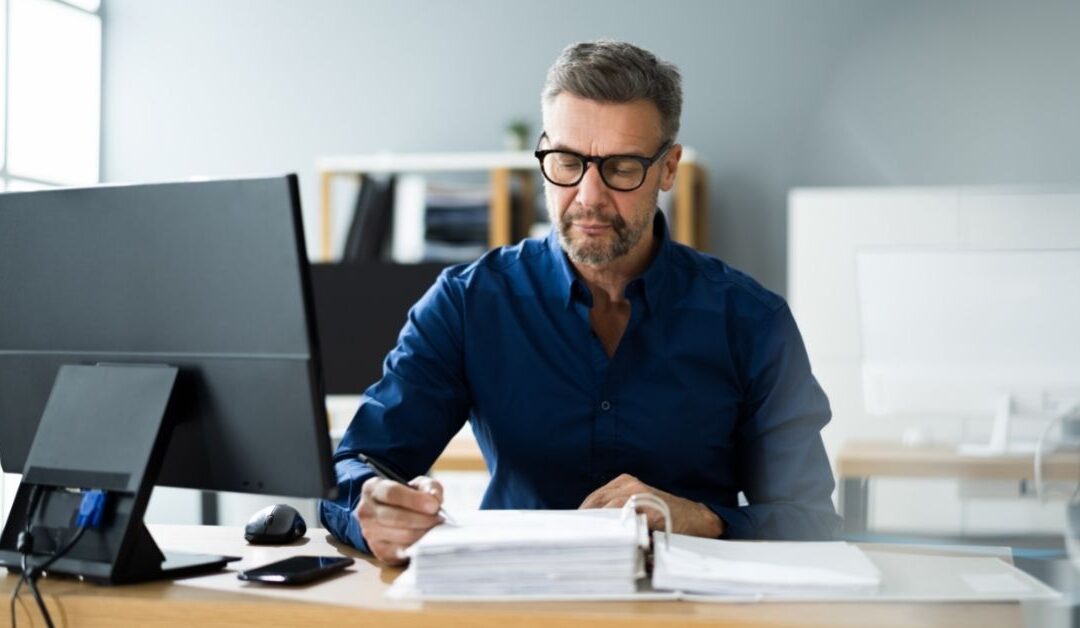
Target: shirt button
[[605, 405]]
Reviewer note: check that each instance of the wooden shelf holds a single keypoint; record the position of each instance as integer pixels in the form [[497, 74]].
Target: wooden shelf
[[689, 205]]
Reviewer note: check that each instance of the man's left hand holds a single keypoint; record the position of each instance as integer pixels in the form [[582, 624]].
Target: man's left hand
[[687, 517]]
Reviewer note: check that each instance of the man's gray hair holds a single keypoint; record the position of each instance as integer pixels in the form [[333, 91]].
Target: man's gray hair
[[618, 72]]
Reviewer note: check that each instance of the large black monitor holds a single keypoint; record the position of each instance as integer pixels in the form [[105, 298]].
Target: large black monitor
[[157, 333], [360, 309]]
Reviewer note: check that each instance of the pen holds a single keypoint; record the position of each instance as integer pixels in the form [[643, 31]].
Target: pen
[[386, 473]]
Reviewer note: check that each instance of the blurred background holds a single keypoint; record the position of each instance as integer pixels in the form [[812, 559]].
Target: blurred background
[[956, 106]]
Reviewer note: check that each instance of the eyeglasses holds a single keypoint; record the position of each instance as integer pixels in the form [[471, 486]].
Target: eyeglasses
[[624, 173]]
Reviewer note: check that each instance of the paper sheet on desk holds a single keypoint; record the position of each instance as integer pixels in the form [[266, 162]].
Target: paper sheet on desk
[[404, 588], [536, 552], [908, 575], [916, 577], [484, 530], [700, 565]]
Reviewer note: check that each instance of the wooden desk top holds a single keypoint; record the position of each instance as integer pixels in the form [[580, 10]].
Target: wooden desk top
[[461, 454], [875, 459], [356, 599]]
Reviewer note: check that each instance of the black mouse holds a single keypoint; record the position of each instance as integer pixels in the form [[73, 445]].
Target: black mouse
[[275, 525]]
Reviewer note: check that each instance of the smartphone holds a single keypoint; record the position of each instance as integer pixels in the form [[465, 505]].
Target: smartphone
[[297, 570]]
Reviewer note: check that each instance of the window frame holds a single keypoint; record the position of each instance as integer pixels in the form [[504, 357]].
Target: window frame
[[6, 177]]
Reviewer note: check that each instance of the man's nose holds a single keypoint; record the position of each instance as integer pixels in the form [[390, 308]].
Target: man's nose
[[591, 190]]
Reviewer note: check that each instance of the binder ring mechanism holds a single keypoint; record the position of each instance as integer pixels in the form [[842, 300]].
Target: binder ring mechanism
[[648, 500]]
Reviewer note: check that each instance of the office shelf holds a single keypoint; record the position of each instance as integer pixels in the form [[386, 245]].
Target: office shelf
[[689, 205]]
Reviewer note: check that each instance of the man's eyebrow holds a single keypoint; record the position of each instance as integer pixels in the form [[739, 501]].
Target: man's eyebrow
[[563, 147], [545, 138]]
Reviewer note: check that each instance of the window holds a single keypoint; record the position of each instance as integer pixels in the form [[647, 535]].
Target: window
[[51, 105]]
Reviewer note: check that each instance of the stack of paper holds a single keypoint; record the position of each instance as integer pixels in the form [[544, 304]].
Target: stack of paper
[[531, 553], [788, 569]]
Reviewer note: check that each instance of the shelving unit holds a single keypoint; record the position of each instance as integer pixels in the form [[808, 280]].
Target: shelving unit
[[689, 205]]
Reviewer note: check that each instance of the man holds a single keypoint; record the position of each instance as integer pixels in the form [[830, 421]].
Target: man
[[604, 361]]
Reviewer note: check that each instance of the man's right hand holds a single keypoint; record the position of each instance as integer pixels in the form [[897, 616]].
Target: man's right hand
[[393, 516]]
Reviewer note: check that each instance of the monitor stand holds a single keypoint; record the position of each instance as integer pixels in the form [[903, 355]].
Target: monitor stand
[[104, 427]]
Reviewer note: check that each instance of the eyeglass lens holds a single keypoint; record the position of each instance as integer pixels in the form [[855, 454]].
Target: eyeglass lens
[[620, 174]]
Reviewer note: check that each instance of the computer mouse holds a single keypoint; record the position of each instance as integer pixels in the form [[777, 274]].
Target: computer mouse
[[275, 525]]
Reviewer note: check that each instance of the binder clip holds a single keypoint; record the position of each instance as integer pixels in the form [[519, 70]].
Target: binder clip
[[648, 500]]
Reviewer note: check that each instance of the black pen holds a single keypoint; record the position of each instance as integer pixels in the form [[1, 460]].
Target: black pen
[[386, 473]]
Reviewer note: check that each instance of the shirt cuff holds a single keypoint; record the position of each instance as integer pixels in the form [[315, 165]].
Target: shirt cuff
[[738, 523], [343, 525]]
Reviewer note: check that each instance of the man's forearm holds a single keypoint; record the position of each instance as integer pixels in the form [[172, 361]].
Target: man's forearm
[[687, 517], [704, 522]]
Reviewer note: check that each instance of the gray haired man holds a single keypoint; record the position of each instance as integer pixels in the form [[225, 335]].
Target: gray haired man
[[602, 361]]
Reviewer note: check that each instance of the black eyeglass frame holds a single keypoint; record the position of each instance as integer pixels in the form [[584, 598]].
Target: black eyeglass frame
[[646, 162]]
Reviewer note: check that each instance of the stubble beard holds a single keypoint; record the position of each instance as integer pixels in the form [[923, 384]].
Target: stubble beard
[[598, 252]]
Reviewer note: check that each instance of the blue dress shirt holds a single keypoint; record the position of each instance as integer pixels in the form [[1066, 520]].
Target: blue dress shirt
[[709, 392]]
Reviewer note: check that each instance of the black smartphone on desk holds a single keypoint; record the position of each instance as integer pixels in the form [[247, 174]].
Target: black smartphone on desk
[[297, 570]]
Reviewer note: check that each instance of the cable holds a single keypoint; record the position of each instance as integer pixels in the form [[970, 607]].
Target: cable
[[1039, 493], [90, 514], [25, 546], [61, 552], [15, 596], [30, 578], [1060, 417], [31, 574]]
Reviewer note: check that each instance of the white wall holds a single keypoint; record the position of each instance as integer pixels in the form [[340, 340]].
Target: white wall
[[779, 93], [827, 228]]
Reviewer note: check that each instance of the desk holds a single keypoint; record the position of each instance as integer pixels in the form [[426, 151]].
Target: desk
[[860, 461], [461, 454], [356, 599]]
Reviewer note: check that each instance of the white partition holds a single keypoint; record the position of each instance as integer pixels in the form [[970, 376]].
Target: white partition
[[827, 227], [953, 333], [9, 483]]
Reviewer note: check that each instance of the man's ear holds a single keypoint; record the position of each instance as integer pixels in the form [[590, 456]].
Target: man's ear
[[668, 166]]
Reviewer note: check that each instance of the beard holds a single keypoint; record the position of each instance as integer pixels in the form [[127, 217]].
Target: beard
[[625, 235]]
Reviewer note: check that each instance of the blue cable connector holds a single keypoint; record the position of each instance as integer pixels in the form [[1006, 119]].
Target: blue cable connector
[[92, 509]]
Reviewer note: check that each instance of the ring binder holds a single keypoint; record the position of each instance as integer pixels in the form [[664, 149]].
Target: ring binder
[[577, 553], [598, 554], [648, 500]]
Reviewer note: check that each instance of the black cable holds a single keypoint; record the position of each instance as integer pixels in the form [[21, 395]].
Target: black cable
[[30, 573], [15, 596], [35, 497], [61, 552], [25, 547], [34, 573], [30, 582]]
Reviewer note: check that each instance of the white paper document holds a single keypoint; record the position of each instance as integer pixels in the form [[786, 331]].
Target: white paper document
[[511, 555], [511, 552], [791, 569]]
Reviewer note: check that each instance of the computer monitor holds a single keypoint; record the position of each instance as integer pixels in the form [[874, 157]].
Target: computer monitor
[[360, 309], [156, 333], [971, 334]]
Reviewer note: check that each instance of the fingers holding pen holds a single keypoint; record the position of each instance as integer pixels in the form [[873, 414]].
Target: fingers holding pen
[[428, 485], [393, 515], [404, 505]]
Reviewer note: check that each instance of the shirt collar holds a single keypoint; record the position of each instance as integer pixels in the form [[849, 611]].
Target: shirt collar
[[567, 281], [651, 282]]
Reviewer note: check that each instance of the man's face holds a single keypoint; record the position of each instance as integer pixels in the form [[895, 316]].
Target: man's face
[[598, 225]]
